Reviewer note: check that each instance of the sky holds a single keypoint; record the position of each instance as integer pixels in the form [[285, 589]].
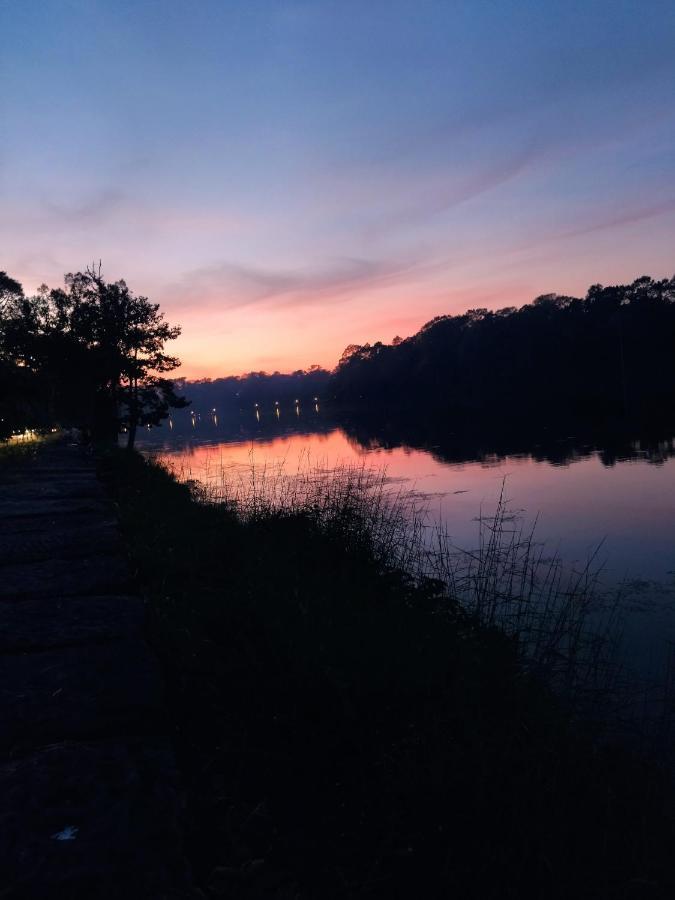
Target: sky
[[287, 177]]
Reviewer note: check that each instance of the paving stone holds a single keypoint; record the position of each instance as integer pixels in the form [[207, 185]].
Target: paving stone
[[60, 542], [63, 577], [52, 522], [118, 801], [60, 489], [63, 621], [89, 691], [56, 508], [35, 475], [90, 804]]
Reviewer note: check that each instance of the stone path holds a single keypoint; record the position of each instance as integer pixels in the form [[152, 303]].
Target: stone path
[[89, 792]]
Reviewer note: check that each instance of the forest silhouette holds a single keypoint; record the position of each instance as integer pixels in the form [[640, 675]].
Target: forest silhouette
[[607, 356], [92, 356]]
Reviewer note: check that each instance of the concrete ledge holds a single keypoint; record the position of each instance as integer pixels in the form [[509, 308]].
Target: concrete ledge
[[35, 625], [51, 507], [73, 693], [62, 577], [90, 805], [63, 543], [115, 805]]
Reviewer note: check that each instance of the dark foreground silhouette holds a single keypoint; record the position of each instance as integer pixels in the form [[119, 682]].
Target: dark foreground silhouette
[[344, 733], [343, 729]]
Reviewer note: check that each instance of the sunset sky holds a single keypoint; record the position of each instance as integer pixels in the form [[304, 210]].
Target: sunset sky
[[287, 178]]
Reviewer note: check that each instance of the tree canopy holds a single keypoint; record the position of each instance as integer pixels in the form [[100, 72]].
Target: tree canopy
[[90, 354], [609, 354]]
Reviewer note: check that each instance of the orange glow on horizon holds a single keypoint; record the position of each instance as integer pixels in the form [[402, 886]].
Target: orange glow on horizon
[[217, 343], [224, 335]]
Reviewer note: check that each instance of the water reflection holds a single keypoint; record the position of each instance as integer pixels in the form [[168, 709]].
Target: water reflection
[[473, 445], [446, 445], [583, 488]]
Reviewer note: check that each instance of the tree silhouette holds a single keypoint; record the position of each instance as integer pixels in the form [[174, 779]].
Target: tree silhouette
[[608, 356], [9, 290], [16, 381], [127, 335], [96, 350]]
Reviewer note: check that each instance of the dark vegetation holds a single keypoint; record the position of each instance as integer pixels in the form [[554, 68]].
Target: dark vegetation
[[90, 356], [348, 726], [347, 731], [244, 391], [608, 356], [557, 371]]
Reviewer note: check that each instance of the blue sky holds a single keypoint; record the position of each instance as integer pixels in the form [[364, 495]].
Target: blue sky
[[290, 177]]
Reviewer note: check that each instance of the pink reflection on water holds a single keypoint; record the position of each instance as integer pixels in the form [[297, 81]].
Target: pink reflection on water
[[630, 506]]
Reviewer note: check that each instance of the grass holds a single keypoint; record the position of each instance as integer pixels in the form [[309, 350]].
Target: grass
[[352, 724], [564, 627]]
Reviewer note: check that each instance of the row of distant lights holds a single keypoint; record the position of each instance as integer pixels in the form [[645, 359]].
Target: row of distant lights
[[256, 406], [276, 403]]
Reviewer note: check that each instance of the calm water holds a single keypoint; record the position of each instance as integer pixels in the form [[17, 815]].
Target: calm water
[[615, 496], [582, 495]]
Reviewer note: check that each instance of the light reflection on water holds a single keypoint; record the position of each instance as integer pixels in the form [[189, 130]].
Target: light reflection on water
[[582, 496], [630, 506]]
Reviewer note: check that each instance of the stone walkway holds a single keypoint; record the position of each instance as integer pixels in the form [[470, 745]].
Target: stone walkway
[[89, 792]]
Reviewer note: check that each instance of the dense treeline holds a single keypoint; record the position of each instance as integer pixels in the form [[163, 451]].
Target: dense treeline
[[92, 355], [89, 355], [608, 355], [244, 391]]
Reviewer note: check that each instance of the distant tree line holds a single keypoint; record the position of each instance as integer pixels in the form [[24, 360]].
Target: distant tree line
[[92, 355], [235, 393], [89, 355], [608, 355]]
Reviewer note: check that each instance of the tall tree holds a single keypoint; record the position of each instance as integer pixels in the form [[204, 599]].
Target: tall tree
[[97, 351], [12, 379], [125, 335]]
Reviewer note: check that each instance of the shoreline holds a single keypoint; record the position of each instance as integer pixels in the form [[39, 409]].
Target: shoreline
[[320, 695]]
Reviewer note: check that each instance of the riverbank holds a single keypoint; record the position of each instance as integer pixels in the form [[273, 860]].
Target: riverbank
[[344, 732]]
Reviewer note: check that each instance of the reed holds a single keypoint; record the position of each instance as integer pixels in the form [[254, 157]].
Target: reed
[[374, 712], [565, 625]]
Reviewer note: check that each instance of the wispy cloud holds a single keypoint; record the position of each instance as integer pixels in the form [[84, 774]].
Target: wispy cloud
[[94, 209], [588, 224], [622, 217], [232, 285], [451, 190]]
